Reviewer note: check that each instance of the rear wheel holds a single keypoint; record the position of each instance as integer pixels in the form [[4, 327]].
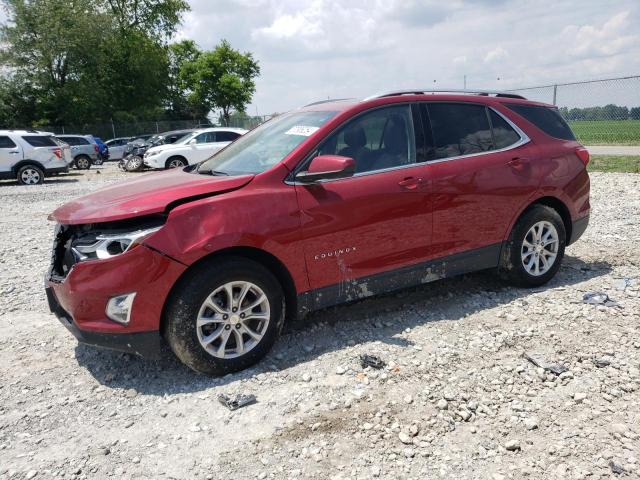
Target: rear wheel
[[83, 162], [30, 175], [535, 248], [175, 162], [224, 316]]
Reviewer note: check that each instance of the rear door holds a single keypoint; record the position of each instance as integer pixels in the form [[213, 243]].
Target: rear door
[[481, 172], [359, 231], [10, 153]]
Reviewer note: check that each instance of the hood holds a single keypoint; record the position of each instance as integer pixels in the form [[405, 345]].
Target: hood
[[148, 194]]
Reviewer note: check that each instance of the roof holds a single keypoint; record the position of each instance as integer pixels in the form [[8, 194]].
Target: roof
[[6, 131], [451, 95]]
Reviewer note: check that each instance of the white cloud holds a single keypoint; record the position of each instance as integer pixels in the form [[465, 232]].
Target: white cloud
[[311, 49], [496, 55]]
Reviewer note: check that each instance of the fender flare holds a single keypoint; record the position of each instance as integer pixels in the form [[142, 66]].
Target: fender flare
[[22, 163]]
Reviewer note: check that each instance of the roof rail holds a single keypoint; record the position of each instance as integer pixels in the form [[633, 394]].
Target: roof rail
[[418, 91], [330, 100]]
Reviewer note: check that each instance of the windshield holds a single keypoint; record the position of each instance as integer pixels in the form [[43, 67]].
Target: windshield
[[265, 145]]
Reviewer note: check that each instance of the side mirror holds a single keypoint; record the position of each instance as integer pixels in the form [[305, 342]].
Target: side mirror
[[327, 167], [192, 141]]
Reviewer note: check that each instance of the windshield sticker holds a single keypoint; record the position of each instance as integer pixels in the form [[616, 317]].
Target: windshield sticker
[[301, 130]]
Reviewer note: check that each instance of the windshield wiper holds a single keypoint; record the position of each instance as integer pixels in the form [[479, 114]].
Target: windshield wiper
[[213, 172]]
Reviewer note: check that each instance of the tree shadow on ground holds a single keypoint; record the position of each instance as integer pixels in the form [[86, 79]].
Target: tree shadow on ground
[[379, 318]]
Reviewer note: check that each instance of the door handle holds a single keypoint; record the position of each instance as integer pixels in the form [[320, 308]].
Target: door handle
[[410, 183], [13, 152], [518, 163]]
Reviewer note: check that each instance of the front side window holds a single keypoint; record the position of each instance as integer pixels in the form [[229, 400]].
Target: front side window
[[206, 137], [380, 139], [459, 129], [266, 145], [6, 142]]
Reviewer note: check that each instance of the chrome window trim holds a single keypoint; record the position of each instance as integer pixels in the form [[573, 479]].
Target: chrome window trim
[[524, 139]]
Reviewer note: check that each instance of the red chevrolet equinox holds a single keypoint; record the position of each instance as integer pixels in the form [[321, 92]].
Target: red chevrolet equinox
[[327, 204]]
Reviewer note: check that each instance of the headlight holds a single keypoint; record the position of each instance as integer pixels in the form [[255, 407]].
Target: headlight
[[151, 154], [107, 246]]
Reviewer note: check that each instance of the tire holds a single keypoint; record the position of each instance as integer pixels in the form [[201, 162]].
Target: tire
[[199, 345], [82, 162], [134, 164], [535, 248], [176, 162], [30, 175], [98, 161]]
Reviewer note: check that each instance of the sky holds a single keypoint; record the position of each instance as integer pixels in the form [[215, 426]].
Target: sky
[[311, 50]]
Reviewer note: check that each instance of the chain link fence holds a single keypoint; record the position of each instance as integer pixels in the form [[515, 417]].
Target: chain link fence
[[600, 112], [114, 129]]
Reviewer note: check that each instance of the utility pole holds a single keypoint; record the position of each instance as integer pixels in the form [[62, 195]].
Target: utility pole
[[465, 82]]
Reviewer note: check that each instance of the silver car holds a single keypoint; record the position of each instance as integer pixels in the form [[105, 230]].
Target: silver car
[[117, 146], [84, 150]]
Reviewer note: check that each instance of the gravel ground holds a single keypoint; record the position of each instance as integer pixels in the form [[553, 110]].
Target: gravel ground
[[457, 400]]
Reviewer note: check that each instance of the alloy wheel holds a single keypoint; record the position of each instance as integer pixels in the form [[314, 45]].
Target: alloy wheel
[[540, 248], [30, 176], [175, 163], [233, 319]]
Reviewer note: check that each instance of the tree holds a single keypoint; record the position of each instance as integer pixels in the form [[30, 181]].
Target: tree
[[634, 113], [222, 79], [86, 60], [180, 104]]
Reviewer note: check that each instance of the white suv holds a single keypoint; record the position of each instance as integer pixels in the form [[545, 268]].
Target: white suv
[[191, 149], [29, 155]]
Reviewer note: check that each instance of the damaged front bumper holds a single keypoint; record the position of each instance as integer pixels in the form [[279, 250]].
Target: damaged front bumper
[[79, 298]]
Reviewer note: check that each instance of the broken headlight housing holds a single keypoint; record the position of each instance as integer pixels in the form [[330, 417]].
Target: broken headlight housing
[[97, 245]]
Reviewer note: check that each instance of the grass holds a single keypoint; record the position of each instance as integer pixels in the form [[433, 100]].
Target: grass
[[614, 163], [607, 132]]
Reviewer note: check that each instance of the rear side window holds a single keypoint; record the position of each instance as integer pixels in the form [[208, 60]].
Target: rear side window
[[75, 140], [6, 142], [459, 129], [503, 134], [226, 136], [39, 141], [546, 119]]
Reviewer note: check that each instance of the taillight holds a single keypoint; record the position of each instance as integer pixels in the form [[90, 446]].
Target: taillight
[[57, 152], [95, 147], [583, 155]]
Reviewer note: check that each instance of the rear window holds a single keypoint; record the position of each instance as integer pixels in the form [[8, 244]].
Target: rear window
[[39, 141], [6, 142], [546, 119]]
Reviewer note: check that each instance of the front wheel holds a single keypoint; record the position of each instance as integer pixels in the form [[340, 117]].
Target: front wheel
[[533, 254], [175, 162], [134, 164], [224, 316]]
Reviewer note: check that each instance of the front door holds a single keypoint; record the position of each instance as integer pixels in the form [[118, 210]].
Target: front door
[[357, 231], [10, 154]]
